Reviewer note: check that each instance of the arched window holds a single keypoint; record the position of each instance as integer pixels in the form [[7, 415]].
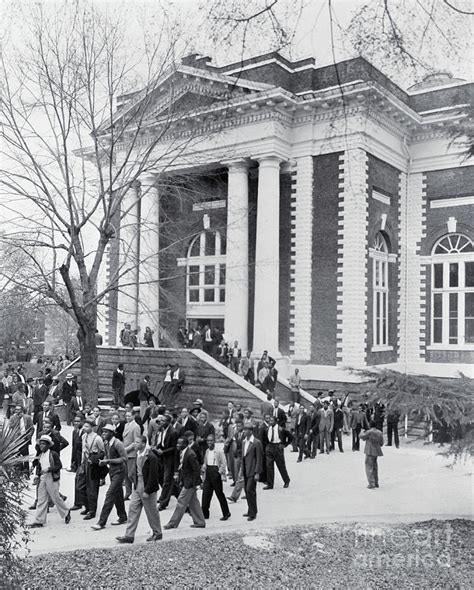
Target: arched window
[[206, 268], [452, 291], [380, 269]]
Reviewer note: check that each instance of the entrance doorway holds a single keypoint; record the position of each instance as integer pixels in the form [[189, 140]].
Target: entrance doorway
[[213, 323]]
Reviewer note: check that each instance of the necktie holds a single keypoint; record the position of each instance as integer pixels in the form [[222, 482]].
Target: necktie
[[273, 433]]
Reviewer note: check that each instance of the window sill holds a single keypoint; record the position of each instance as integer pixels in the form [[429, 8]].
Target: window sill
[[381, 348], [448, 347]]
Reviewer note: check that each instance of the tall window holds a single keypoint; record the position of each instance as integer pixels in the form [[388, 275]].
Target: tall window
[[380, 262], [206, 268], [452, 299]]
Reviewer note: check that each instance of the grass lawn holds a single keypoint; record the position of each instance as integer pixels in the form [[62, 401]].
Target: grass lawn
[[431, 554]]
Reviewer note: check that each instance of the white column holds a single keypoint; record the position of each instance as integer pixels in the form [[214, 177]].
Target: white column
[[237, 257], [148, 276], [267, 257], [127, 272]]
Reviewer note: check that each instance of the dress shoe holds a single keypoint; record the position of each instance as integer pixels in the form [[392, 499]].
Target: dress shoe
[[251, 518], [231, 499], [197, 526], [371, 487], [67, 518], [63, 498], [226, 517], [119, 522], [155, 538], [89, 516], [76, 508], [244, 497], [268, 487], [125, 539], [232, 484], [83, 512], [245, 515], [35, 525], [32, 507], [299, 460], [126, 499], [98, 527], [376, 485], [162, 507], [287, 484], [169, 526]]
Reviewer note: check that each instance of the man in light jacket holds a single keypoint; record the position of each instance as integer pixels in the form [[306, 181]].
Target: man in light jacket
[[373, 449]]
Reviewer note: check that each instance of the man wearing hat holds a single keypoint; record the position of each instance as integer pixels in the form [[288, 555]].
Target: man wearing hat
[[116, 460], [54, 390], [252, 466], [68, 391], [48, 467]]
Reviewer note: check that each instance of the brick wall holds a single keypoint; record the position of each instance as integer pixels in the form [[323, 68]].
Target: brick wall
[[384, 178], [324, 259]]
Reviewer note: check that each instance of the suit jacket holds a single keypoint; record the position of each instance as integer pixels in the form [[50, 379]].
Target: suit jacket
[[302, 425], [115, 451], [373, 442], [338, 419], [130, 432], [281, 416], [99, 424], [143, 391], [118, 379], [221, 464], [68, 391], [190, 473], [55, 465], [358, 418], [178, 376], [150, 471], [38, 420], [203, 432], [74, 404], [326, 422], [314, 418], [39, 396], [119, 430], [252, 462], [191, 425], [261, 432], [284, 436], [20, 399], [76, 450], [168, 445], [28, 421], [59, 442]]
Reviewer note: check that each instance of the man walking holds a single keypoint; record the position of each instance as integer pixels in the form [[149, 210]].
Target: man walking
[[130, 432], [326, 424], [116, 459], [252, 461], [278, 438], [373, 449], [166, 442], [87, 476], [302, 428], [214, 472], [189, 477], [144, 494]]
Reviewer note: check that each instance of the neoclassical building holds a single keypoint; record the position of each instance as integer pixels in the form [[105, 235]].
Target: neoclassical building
[[320, 213]]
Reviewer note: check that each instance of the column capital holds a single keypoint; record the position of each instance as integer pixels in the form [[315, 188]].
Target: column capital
[[270, 160], [237, 164], [148, 178]]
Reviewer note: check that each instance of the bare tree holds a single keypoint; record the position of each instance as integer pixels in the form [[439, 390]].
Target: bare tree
[[59, 100]]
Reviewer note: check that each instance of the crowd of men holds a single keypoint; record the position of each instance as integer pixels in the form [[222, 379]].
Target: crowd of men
[[153, 453]]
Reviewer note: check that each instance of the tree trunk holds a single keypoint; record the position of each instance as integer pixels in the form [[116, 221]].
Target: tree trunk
[[89, 364]]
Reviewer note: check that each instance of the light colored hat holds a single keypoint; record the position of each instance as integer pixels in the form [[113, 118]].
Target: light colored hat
[[69, 376], [198, 402], [109, 427], [47, 439]]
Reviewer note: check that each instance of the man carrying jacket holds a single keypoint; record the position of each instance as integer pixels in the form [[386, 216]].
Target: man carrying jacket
[[144, 494]]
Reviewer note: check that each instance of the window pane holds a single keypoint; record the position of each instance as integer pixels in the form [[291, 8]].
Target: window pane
[[223, 244], [469, 330], [438, 331], [453, 305], [383, 270], [222, 274], [437, 305], [453, 318], [453, 275], [469, 305], [210, 249], [222, 295], [195, 247], [209, 295], [209, 275], [194, 295], [469, 274], [438, 276], [193, 276]]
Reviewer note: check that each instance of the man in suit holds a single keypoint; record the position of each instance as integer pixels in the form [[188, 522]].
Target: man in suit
[[189, 476], [23, 424], [392, 427], [338, 426], [267, 406], [19, 398], [144, 394], [76, 448], [118, 385], [144, 494], [187, 422], [116, 460], [55, 390], [279, 413], [166, 450], [47, 412], [313, 434], [204, 429], [302, 428], [87, 476], [214, 472], [76, 404], [177, 380], [40, 395], [99, 422], [130, 432], [261, 432], [373, 449], [326, 424], [278, 438], [358, 422], [252, 462], [68, 391]]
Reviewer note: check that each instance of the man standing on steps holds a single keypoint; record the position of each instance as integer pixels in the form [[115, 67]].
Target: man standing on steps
[[116, 459], [373, 449], [278, 438], [118, 385], [252, 462]]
